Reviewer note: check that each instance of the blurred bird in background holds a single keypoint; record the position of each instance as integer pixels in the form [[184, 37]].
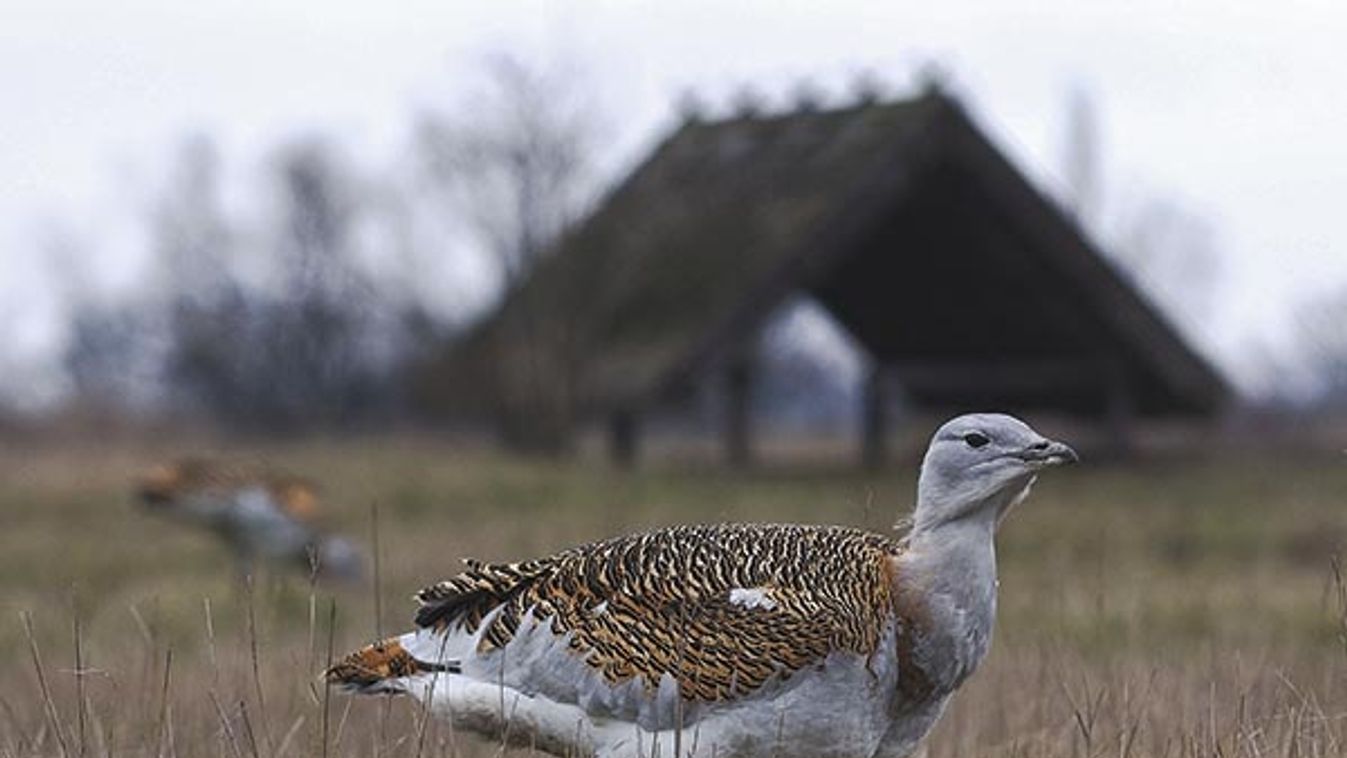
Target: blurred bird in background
[[261, 514]]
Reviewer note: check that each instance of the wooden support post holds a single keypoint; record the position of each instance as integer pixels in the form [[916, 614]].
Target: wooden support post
[[874, 418], [624, 438], [739, 413]]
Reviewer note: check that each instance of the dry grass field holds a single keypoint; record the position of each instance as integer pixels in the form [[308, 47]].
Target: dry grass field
[[1181, 609]]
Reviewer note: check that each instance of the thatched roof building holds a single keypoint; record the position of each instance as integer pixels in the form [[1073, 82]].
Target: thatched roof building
[[961, 281]]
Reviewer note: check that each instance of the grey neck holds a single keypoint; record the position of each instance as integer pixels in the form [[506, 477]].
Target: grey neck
[[957, 559], [951, 564], [952, 549]]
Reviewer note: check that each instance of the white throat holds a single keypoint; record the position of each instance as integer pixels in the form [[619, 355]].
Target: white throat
[[951, 561], [954, 534], [957, 559]]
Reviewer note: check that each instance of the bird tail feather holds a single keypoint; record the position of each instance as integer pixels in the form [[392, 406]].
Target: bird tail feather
[[384, 667]]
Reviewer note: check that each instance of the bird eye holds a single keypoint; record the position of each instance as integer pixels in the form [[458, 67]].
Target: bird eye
[[975, 439]]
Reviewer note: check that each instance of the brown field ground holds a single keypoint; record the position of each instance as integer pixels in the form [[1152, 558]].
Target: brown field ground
[[1182, 609]]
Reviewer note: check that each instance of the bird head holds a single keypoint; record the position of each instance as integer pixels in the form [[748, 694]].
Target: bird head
[[158, 487], [982, 463]]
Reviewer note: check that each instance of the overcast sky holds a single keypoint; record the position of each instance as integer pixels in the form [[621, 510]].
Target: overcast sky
[[1236, 113]]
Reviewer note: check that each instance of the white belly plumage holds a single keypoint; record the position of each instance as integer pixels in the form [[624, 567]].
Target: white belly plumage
[[535, 692]]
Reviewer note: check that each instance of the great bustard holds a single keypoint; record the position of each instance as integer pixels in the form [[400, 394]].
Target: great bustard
[[260, 514], [729, 639]]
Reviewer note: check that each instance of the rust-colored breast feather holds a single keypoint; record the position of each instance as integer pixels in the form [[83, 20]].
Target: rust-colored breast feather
[[661, 602]]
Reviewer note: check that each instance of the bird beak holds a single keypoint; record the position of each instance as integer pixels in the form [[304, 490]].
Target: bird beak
[[1049, 453]]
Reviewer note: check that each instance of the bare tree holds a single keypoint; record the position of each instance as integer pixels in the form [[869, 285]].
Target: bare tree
[[294, 355], [324, 337], [325, 300], [193, 241], [205, 308], [516, 165], [109, 356], [122, 355], [515, 162]]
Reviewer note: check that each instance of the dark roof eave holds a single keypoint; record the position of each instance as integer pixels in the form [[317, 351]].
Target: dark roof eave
[[1194, 380]]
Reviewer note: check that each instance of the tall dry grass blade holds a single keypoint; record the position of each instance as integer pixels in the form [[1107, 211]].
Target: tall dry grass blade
[[211, 691], [232, 739], [148, 637], [1212, 741], [341, 723], [327, 685], [1292, 749], [161, 731], [172, 735], [141, 626], [500, 690], [53, 717], [1081, 715], [289, 735], [378, 570], [17, 737], [381, 731], [98, 746], [509, 727], [311, 648], [248, 729], [210, 643], [382, 735], [255, 657], [79, 674], [423, 718], [1134, 713], [425, 715], [1340, 591]]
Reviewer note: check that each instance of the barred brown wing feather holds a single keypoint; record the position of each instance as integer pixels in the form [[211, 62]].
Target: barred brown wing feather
[[470, 596], [722, 609]]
